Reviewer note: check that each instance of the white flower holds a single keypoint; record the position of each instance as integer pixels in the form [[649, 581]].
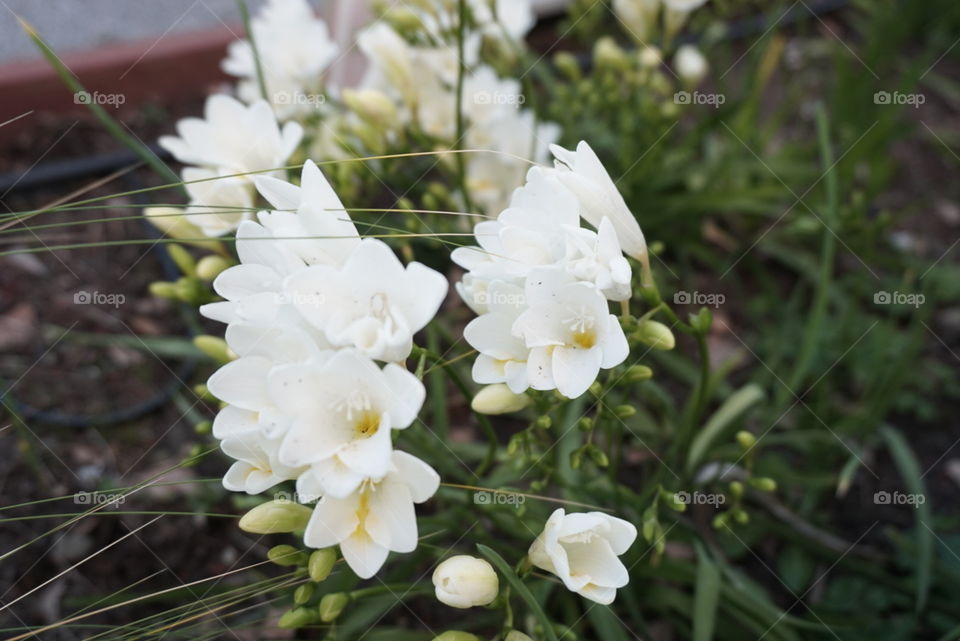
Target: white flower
[[218, 204], [372, 302], [582, 550], [391, 61], [343, 408], [233, 138], [569, 331], [684, 5], [464, 581], [376, 519], [503, 356], [583, 174], [595, 257], [312, 229], [639, 16], [294, 48], [676, 13], [513, 18], [257, 468], [690, 65]]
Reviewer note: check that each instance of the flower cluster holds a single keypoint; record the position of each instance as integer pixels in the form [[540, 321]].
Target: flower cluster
[[541, 282], [311, 310]]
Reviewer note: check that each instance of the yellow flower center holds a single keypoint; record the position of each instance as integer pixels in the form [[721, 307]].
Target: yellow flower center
[[366, 425], [585, 338]]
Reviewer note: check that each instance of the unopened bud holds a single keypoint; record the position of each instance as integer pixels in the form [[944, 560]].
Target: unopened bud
[[183, 259], [321, 563], [331, 605], [736, 489], [297, 618], [303, 593], [203, 427], [276, 517], [638, 373], [516, 635], [456, 635], [656, 335], [568, 65], [214, 347], [498, 399], [763, 484], [624, 411], [608, 55], [284, 555], [209, 267], [746, 439], [372, 105], [544, 422], [690, 65], [174, 224], [163, 289]]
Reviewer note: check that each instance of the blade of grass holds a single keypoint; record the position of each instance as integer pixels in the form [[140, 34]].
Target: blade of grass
[[520, 588]]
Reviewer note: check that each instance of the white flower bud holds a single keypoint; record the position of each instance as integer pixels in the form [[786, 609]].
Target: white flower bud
[[498, 399], [465, 581], [372, 105], [690, 65]]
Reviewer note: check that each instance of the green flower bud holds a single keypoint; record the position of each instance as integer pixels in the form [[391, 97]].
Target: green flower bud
[[763, 484], [321, 563], [576, 459], [543, 422], [608, 55], [516, 635], [456, 635], [567, 64], [331, 605], [741, 517], [303, 593], [284, 555], [599, 456], [203, 427], [624, 411], [746, 439], [297, 618], [656, 335], [191, 290], [637, 374], [720, 521], [209, 267], [163, 289], [596, 388], [276, 517], [183, 259], [372, 105], [214, 347], [585, 424], [736, 489]]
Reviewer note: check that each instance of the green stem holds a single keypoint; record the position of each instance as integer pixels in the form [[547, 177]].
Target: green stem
[[245, 16], [461, 127]]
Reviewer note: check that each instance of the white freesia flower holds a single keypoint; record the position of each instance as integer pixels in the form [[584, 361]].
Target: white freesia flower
[[595, 257], [343, 407], [513, 18], [503, 356], [583, 174], [378, 518], [234, 138], [294, 47], [257, 468], [570, 332], [310, 227], [218, 204], [391, 61], [676, 13], [582, 550], [639, 17], [464, 581], [372, 303]]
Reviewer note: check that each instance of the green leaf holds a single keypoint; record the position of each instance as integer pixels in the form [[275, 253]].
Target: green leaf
[[738, 403], [706, 597], [909, 469], [511, 577]]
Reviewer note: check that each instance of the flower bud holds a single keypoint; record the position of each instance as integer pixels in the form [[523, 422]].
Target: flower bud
[[456, 635], [543, 422], [637, 374], [297, 618], [276, 517], [650, 57], [284, 555], [608, 55], [624, 411], [464, 581], [303, 593], [736, 489], [656, 335], [163, 289], [203, 427], [763, 484], [568, 65], [372, 105], [331, 605], [183, 259], [172, 222], [209, 267], [321, 563], [690, 65], [214, 347], [516, 635], [746, 439], [498, 399]]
